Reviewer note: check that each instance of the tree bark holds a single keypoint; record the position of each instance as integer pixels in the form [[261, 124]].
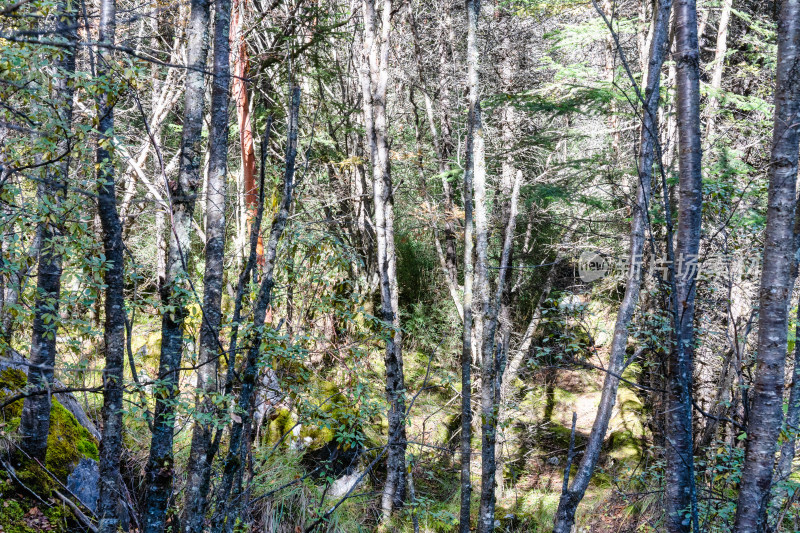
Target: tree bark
[[572, 496], [474, 171], [712, 107], [35, 419], [226, 502], [183, 194], [680, 491], [201, 455], [374, 82], [467, 332], [765, 418], [111, 445], [494, 365], [241, 66]]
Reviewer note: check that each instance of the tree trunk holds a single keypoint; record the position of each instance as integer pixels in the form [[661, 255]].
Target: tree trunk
[[241, 65], [111, 445], [572, 496], [35, 419], [712, 106], [231, 478], [159, 469], [474, 171], [467, 332], [201, 456], [374, 81], [680, 491], [494, 365], [766, 413]]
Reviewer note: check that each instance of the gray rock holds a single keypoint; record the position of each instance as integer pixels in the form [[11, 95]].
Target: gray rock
[[344, 484], [84, 482]]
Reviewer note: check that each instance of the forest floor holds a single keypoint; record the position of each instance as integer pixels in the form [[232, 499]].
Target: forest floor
[[533, 447]]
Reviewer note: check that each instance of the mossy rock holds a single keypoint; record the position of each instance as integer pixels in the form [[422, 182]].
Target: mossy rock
[[67, 442], [12, 381], [281, 423], [334, 417]]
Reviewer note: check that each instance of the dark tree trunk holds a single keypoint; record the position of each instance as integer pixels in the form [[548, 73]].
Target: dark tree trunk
[[229, 490], [572, 496], [159, 469], [680, 487], [766, 413], [114, 335], [201, 455], [35, 421]]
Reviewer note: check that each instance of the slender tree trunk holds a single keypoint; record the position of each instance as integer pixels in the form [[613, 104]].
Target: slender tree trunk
[[494, 365], [229, 490], [159, 469], [509, 177], [572, 496], [474, 171], [374, 80], [241, 66], [35, 420], [712, 107], [680, 491], [111, 445], [467, 332], [766, 413], [201, 456]]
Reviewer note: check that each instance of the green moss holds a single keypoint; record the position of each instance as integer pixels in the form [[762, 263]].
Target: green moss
[[67, 441], [19, 515], [35, 478], [13, 379], [10, 512], [279, 425], [11, 382]]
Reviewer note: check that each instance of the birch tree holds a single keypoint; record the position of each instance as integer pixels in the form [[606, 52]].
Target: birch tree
[[681, 502], [766, 414], [182, 195]]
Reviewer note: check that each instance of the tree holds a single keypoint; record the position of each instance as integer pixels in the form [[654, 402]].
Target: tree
[[572, 495], [35, 420], [183, 195], [680, 497], [474, 177], [229, 490], [199, 475], [374, 83], [766, 414], [114, 336]]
